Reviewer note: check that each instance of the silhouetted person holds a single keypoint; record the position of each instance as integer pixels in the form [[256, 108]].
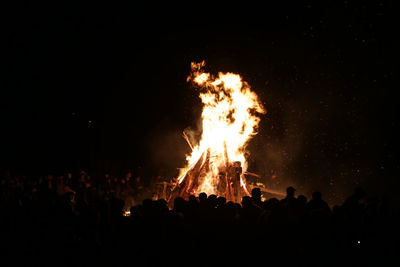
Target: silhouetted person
[[212, 200], [137, 186], [179, 205], [202, 197], [35, 221], [192, 198], [353, 207], [318, 205], [221, 201], [290, 192], [246, 201], [301, 205], [290, 198], [256, 196], [250, 212]]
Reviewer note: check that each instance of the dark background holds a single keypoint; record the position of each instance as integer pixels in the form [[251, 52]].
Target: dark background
[[101, 86]]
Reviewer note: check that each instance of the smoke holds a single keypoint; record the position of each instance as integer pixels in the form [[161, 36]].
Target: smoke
[[191, 136], [313, 140], [167, 149], [274, 153]]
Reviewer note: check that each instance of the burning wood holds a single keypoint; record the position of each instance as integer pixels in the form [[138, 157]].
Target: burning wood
[[217, 164], [229, 180]]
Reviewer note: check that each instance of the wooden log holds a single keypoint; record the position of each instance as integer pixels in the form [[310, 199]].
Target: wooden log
[[204, 167], [228, 193]]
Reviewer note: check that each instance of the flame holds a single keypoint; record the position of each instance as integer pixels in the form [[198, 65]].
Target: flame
[[229, 120]]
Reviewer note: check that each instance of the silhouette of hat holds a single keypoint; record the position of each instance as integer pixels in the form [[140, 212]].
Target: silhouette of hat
[[255, 190], [290, 189]]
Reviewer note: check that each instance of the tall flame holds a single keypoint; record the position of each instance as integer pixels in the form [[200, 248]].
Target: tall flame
[[229, 120]]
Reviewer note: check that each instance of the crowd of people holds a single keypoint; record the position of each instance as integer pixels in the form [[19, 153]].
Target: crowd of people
[[74, 220]]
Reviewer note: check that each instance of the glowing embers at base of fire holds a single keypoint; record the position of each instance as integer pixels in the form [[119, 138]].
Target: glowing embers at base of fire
[[217, 163]]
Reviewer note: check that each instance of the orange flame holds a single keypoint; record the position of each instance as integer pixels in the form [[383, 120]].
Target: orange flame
[[229, 120]]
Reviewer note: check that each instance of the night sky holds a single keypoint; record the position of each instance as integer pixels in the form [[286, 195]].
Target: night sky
[[102, 86]]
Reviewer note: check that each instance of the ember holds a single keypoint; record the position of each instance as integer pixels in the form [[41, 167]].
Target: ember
[[217, 164]]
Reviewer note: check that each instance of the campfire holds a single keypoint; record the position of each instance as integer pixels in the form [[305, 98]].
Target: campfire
[[217, 163]]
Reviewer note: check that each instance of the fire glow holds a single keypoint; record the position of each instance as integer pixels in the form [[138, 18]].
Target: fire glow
[[229, 120]]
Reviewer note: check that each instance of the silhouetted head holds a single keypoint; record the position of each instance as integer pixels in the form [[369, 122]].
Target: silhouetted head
[[212, 197], [192, 198], [246, 201], [162, 202], [317, 195], [302, 199], [212, 200], [273, 201], [179, 204], [221, 201], [256, 193], [290, 191], [202, 197]]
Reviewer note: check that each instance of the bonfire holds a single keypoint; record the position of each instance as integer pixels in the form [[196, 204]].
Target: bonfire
[[217, 163]]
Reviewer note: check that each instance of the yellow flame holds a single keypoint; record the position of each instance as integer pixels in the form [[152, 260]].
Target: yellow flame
[[229, 117]]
